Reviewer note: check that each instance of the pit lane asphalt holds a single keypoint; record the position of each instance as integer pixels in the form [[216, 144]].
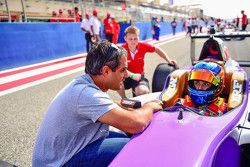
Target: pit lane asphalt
[[23, 111]]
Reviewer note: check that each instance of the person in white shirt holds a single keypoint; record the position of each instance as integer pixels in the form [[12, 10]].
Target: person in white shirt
[[211, 22], [193, 25], [201, 24], [211, 25], [85, 26], [189, 28], [95, 27]]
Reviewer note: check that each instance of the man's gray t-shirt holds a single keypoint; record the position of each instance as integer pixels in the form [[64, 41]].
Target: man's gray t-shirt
[[71, 122]]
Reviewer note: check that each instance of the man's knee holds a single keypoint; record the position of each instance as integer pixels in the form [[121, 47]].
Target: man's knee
[[141, 90]]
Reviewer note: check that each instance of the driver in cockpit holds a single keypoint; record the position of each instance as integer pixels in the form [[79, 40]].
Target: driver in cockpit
[[205, 84]]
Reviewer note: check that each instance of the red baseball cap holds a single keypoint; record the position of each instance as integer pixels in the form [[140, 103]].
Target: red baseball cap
[[95, 12], [87, 14], [60, 11]]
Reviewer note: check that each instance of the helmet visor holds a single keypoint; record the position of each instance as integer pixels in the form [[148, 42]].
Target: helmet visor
[[204, 75]]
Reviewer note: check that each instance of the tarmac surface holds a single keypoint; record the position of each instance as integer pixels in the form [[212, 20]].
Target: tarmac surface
[[23, 111]]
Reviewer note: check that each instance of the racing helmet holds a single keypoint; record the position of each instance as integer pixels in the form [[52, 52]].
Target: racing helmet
[[210, 72]]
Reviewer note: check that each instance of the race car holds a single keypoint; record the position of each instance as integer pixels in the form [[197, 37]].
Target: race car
[[228, 30], [179, 136], [227, 33]]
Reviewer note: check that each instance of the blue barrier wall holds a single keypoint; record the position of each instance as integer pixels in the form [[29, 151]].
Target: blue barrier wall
[[28, 43], [145, 29]]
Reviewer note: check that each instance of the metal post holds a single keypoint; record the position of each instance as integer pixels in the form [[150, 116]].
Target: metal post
[[24, 13], [192, 51], [81, 5], [7, 9], [73, 9]]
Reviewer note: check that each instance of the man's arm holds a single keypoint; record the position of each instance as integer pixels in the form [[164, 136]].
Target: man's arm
[[163, 55], [84, 30], [91, 21], [92, 29], [134, 121], [93, 34]]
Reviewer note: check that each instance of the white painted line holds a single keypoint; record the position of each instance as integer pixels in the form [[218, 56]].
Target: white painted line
[[40, 70], [42, 63], [15, 89]]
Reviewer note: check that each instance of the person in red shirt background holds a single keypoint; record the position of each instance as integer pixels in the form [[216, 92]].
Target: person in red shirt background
[[244, 21], [108, 27], [136, 53], [77, 15], [61, 16], [70, 16], [116, 31], [54, 17]]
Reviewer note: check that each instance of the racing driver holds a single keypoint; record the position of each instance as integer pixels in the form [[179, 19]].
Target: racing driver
[[205, 84]]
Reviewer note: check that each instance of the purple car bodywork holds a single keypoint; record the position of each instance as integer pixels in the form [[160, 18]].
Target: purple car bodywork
[[193, 141]]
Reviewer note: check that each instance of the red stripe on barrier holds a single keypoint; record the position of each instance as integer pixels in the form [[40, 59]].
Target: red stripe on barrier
[[38, 66], [23, 81]]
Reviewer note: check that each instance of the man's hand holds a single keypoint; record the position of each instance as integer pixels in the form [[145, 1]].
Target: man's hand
[[156, 105], [93, 39]]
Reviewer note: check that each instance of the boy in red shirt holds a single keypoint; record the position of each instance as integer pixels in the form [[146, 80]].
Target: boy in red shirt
[[136, 53]]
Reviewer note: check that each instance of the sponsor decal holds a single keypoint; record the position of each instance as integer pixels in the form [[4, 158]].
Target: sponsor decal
[[237, 90], [172, 83]]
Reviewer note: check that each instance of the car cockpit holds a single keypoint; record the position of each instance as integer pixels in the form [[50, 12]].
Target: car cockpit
[[176, 85]]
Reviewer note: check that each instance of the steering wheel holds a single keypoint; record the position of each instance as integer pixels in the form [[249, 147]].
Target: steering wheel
[[178, 106]]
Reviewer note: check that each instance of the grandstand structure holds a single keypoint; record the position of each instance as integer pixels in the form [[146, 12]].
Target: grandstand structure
[[122, 10]]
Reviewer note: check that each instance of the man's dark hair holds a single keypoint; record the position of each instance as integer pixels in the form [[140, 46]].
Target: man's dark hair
[[104, 53]]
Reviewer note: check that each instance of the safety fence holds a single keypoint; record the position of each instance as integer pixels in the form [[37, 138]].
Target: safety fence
[[29, 43]]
